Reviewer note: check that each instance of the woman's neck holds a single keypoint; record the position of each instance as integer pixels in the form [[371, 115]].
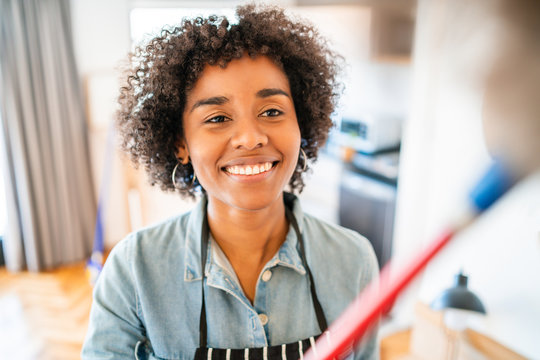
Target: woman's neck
[[249, 238]]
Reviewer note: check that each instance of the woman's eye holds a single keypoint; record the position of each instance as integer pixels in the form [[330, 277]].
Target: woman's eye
[[272, 113], [217, 119]]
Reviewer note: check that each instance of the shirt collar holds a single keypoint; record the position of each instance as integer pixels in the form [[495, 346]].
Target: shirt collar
[[288, 254], [192, 259]]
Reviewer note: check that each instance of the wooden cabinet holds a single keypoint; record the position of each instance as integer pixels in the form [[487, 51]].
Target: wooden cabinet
[[392, 33]]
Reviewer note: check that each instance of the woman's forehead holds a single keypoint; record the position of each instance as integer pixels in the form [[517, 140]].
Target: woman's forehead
[[244, 74]]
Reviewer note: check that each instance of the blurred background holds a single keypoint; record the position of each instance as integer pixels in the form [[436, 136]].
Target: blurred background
[[409, 142]]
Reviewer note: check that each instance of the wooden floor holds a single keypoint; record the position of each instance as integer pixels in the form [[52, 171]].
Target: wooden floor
[[396, 346], [45, 315]]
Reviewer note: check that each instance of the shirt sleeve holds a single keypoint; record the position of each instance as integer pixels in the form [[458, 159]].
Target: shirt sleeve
[[115, 327], [368, 349]]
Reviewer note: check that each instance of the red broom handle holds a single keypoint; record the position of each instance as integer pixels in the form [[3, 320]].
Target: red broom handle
[[368, 306]]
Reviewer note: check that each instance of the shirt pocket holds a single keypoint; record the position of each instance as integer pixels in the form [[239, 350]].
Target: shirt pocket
[[143, 351]]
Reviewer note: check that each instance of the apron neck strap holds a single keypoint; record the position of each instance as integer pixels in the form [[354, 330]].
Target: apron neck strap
[[205, 232], [321, 319]]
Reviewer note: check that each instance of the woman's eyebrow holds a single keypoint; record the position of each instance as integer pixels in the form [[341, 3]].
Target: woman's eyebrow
[[216, 100], [271, 92], [220, 100]]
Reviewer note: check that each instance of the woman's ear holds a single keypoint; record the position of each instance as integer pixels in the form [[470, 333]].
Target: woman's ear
[[182, 152]]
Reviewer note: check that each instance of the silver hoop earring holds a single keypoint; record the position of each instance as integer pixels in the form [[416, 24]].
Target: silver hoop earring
[[305, 159], [173, 175]]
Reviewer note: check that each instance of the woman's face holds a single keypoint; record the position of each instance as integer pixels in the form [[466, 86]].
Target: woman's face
[[241, 132]]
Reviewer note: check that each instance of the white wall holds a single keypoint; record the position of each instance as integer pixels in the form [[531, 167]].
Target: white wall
[[443, 153], [101, 33]]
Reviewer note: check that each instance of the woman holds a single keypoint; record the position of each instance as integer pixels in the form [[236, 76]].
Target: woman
[[235, 112]]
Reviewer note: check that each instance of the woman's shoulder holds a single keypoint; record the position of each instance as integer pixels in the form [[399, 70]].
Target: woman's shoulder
[[334, 233], [338, 245], [158, 239], [160, 232]]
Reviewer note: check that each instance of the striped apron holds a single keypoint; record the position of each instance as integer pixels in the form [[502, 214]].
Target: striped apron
[[291, 351]]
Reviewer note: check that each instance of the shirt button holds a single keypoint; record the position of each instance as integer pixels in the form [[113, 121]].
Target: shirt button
[[263, 318], [266, 275]]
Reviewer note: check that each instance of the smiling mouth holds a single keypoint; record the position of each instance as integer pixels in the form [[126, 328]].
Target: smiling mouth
[[250, 169]]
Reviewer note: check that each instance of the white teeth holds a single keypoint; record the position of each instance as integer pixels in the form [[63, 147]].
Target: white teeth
[[249, 169]]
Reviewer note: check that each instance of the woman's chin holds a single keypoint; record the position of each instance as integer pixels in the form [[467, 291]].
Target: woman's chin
[[247, 201]]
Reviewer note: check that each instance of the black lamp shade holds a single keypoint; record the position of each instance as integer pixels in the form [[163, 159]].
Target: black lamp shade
[[459, 297]]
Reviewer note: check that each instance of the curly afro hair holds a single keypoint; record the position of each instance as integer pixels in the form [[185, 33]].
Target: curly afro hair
[[163, 71]]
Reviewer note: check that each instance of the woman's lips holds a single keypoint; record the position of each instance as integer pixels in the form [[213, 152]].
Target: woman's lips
[[251, 169]]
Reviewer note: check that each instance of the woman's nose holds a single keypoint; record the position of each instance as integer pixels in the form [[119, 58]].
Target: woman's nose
[[248, 134]]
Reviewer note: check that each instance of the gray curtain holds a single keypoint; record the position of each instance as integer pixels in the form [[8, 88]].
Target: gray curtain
[[46, 164]]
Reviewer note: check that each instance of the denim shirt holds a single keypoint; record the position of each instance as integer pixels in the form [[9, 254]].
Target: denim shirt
[[147, 300]]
